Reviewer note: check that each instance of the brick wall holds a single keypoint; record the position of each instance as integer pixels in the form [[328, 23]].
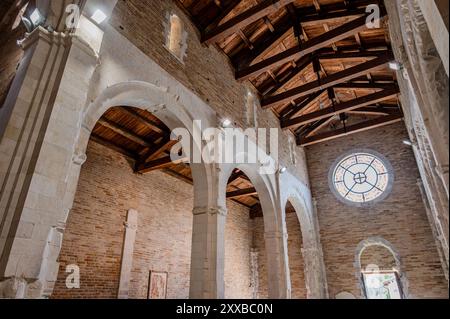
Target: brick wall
[[10, 52], [400, 219], [95, 232], [205, 71], [296, 262]]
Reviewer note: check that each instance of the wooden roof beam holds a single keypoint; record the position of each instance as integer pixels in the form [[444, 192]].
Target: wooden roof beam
[[247, 56], [322, 41], [360, 127], [108, 144], [136, 116], [291, 112], [124, 132], [157, 164], [325, 83], [225, 12], [341, 108], [243, 20], [242, 192]]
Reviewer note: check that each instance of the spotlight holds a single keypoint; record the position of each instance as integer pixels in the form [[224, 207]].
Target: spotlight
[[36, 17], [394, 65], [99, 16], [283, 170], [408, 142], [226, 123]]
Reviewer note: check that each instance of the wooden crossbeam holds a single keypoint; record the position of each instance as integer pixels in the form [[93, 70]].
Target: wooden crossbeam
[[352, 55], [291, 112], [124, 132], [225, 12], [374, 111], [165, 145], [136, 116], [367, 85], [157, 164], [242, 193], [330, 81], [99, 140], [299, 67], [268, 88], [341, 108], [247, 56], [324, 40], [253, 14], [360, 127]]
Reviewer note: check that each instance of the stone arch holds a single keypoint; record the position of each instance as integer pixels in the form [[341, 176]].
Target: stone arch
[[265, 186], [299, 196], [159, 102], [379, 241], [145, 96]]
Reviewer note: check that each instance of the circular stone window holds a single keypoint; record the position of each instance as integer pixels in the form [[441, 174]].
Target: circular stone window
[[361, 178]]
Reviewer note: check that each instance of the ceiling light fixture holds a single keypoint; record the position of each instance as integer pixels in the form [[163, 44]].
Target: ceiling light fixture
[[36, 17], [408, 142], [283, 170], [394, 65], [99, 16], [226, 123]]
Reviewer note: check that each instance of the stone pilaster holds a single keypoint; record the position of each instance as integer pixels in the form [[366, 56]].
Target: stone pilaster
[[208, 253], [131, 226], [38, 157]]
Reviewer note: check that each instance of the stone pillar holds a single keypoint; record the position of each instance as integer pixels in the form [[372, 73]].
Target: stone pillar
[[208, 253], [277, 265], [39, 162], [131, 226]]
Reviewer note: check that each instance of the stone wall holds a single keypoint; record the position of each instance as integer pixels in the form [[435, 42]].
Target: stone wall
[[400, 219], [296, 261], [95, 232]]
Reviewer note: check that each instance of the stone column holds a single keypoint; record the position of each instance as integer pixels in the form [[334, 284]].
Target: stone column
[[39, 163], [208, 253], [277, 265], [131, 226]]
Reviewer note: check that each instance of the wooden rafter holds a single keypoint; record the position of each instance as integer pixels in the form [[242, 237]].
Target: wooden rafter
[[223, 14], [248, 56], [157, 164], [124, 132], [360, 127], [241, 193], [330, 81], [322, 41], [108, 144], [246, 18], [341, 108], [135, 115], [292, 111]]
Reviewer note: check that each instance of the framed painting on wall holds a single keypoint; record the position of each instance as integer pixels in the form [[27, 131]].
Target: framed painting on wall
[[157, 287]]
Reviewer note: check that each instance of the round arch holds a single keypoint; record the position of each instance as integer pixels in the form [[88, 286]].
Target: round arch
[[263, 185], [379, 241], [299, 196], [167, 107]]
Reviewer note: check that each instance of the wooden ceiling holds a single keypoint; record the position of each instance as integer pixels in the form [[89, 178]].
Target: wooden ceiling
[[314, 62], [146, 142]]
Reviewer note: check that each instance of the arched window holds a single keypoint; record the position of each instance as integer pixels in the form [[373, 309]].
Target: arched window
[[361, 178], [379, 270], [176, 37]]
